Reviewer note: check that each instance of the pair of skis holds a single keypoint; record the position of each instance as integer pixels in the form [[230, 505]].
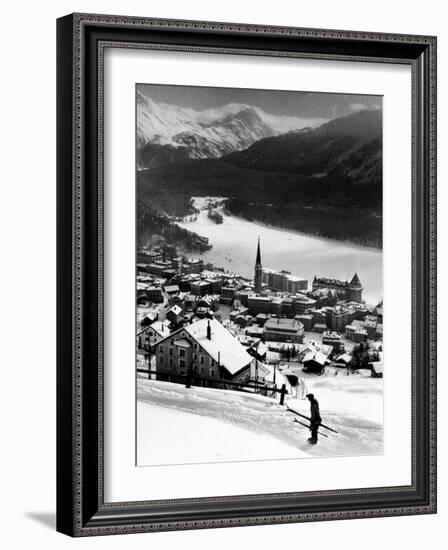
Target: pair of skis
[[309, 420], [309, 427]]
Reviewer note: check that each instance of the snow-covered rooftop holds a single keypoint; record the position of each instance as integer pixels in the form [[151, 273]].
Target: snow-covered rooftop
[[161, 328], [222, 346]]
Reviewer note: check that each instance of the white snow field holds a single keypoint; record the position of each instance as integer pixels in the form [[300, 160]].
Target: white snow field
[[176, 425]]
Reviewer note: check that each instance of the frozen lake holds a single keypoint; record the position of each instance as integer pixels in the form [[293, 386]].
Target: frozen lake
[[235, 242]]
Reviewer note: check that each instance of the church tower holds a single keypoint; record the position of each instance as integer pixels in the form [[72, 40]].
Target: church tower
[[355, 289], [258, 270]]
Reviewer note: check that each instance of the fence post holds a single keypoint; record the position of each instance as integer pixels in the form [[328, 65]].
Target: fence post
[[282, 394], [188, 379], [148, 358]]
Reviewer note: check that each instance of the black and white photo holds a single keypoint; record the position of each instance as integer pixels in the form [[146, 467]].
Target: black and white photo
[[259, 276]]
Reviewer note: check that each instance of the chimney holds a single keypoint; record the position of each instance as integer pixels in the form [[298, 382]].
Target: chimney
[[209, 331]]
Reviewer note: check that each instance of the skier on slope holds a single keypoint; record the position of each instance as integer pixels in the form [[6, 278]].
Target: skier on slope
[[315, 420]]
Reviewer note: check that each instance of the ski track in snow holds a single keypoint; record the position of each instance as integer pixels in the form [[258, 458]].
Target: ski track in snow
[[352, 405]]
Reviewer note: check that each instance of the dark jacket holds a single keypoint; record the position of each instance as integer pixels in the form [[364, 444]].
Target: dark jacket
[[315, 413]]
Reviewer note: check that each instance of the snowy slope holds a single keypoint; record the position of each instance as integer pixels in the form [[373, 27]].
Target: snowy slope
[[210, 133], [228, 425], [166, 436]]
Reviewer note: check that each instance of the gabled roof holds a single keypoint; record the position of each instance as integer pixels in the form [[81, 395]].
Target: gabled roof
[[161, 328], [222, 346], [158, 327], [317, 357], [344, 358]]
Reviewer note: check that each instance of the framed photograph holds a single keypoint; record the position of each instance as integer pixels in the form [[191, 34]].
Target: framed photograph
[[246, 274]]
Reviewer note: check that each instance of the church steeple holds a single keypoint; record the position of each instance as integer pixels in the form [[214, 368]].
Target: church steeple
[[258, 270], [258, 260]]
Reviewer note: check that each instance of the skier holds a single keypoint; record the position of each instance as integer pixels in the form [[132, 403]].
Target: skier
[[315, 420]]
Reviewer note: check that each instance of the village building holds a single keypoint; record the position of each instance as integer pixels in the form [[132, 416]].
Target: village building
[[320, 327], [324, 297], [149, 335], [343, 360], [228, 294], [200, 288], [255, 331], [149, 318], [370, 323], [206, 349], [243, 296], [356, 332], [306, 319], [258, 350], [238, 312], [265, 304], [215, 284], [314, 356], [178, 299], [283, 330], [174, 314], [171, 289], [190, 301], [332, 338], [154, 294], [302, 303], [193, 266], [283, 281], [319, 316], [261, 318], [242, 320], [350, 291], [360, 310], [338, 317], [287, 307], [148, 256]]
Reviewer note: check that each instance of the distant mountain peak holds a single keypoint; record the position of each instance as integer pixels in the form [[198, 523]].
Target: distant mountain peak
[[208, 133]]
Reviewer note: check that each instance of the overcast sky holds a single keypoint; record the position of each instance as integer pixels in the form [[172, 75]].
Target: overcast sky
[[302, 104]]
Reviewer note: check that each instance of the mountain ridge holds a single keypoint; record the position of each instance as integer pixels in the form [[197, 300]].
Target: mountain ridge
[[210, 133]]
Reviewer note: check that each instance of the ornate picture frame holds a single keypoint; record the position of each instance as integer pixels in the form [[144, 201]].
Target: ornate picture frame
[[81, 42]]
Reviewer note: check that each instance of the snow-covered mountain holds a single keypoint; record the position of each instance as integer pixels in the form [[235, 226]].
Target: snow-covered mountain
[[170, 132]]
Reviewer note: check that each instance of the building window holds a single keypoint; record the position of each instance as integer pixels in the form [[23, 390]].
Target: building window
[[161, 359], [201, 370], [182, 352], [171, 351], [171, 362], [195, 357], [212, 373], [195, 346], [161, 350], [202, 360], [182, 364]]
